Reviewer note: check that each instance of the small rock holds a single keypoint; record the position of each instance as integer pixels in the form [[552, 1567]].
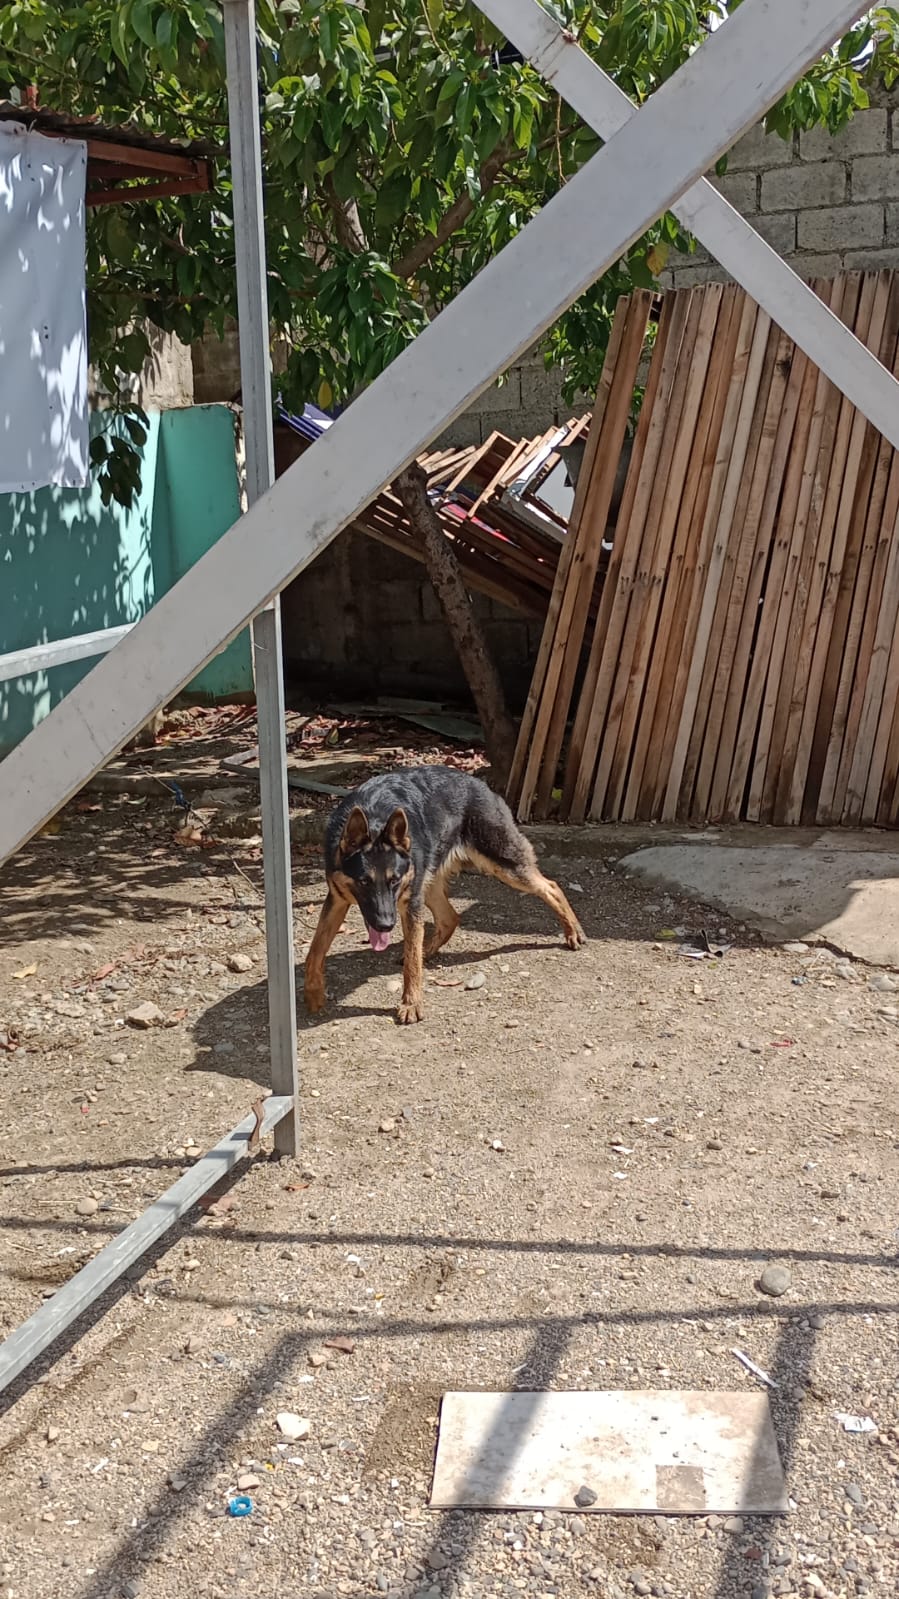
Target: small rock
[[291, 1426], [177, 1484], [193, 1345], [585, 1497], [247, 1481], [714, 1143], [774, 1281], [884, 983], [638, 1583], [733, 1524], [817, 1321], [51, 1434], [476, 980], [346, 1346], [131, 1588], [118, 1059], [795, 947], [387, 1125], [145, 1015], [437, 1560], [86, 1207], [854, 1494], [240, 962], [316, 1358]]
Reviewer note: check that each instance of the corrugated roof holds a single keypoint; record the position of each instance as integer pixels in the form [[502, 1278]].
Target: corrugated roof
[[116, 156]]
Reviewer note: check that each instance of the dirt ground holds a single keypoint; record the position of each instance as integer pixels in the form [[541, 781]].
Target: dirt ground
[[571, 1176]]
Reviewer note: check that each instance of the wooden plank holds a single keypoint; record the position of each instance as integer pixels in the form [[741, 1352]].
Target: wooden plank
[[779, 590], [739, 722], [613, 562], [670, 478], [699, 113], [616, 595], [23, 1346], [677, 625], [705, 213], [576, 572], [844, 299], [594, 523], [882, 680], [835, 522], [722, 560], [845, 675], [730, 452]]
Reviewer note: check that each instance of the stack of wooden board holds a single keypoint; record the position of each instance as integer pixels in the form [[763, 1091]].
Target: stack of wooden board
[[744, 660]]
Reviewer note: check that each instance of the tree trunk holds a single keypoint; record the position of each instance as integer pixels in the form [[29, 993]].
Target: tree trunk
[[465, 630]]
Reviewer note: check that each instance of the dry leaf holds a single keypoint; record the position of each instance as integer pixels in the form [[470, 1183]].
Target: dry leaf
[[255, 1136], [27, 971], [446, 982], [346, 1346], [176, 1017], [103, 971]]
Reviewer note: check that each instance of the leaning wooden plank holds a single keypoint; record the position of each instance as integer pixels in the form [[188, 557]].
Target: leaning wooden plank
[[698, 114], [733, 433], [726, 235], [729, 781], [813, 486], [36, 1334], [591, 531], [699, 750], [678, 628], [670, 482], [731, 597], [836, 521], [626, 551], [780, 584], [882, 681], [831, 752], [41, 657], [576, 571]]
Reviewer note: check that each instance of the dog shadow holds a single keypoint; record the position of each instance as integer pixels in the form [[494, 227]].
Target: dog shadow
[[231, 1036]]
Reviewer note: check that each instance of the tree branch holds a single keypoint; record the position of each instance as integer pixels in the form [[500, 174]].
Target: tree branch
[[453, 219], [347, 225]]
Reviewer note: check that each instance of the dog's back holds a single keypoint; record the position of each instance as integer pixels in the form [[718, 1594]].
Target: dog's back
[[452, 818]]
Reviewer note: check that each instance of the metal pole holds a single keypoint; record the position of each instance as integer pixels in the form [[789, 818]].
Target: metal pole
[[255, 379]]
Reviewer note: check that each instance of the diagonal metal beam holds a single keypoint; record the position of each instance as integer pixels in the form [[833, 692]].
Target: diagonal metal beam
[[765, 276], [692, 119]]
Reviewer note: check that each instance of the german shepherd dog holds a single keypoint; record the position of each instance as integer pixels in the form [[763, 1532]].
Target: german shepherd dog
[[390, 848]]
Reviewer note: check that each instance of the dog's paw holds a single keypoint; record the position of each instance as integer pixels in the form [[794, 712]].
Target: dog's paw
[[314, 998], [408, 1012], [575, 936]]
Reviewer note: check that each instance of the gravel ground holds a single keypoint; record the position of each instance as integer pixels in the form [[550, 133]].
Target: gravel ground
[[572, 1176]]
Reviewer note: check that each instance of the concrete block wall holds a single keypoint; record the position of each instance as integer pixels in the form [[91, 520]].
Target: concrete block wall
[[827, 204]]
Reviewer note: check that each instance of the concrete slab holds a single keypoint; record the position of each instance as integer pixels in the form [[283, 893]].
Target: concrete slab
[[821, 892]]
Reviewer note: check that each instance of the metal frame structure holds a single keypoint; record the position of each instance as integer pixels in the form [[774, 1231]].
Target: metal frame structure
[[654, 159]]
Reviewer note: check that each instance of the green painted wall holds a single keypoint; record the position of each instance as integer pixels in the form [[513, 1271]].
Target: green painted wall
[[69, 564]]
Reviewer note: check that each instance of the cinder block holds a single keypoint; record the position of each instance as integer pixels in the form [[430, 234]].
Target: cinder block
[[851, 227], [875, 177], [686, 277], [779, 231], [892, 216], [741, 189], [800, 188], [866, 134], [499, 397], [818, 266], [541, 390], [467, 429], [758, 150], [870, 260]]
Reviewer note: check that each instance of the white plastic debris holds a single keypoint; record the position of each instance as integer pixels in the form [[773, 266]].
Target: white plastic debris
[[756, 1370], [854, 1423]]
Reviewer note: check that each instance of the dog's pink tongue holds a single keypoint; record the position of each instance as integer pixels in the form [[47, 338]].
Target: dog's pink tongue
[[378, 941]]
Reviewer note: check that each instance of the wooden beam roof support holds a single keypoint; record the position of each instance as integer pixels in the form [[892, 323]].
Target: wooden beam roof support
[[659, 153]]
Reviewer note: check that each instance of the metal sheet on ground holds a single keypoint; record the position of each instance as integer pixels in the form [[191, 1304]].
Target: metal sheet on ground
[[674, 1453]]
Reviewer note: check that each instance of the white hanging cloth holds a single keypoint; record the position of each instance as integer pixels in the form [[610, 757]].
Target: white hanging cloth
[[43, 324]]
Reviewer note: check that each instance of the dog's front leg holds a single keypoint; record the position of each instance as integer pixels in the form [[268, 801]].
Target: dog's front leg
[[329, 924], [411, 1007]]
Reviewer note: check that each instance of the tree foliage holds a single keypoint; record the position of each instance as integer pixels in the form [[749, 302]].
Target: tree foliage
[[404, 145]]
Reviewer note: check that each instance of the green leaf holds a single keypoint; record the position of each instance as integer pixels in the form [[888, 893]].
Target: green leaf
[[119, 239], [133, 350], [393, 199], [142, 22], [328, 35]]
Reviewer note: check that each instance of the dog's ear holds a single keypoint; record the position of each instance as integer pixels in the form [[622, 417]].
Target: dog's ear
[[356, 832], [396, 831]]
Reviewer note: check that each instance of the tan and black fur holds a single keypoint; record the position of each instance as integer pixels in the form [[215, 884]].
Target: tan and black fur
[[392, 846]]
